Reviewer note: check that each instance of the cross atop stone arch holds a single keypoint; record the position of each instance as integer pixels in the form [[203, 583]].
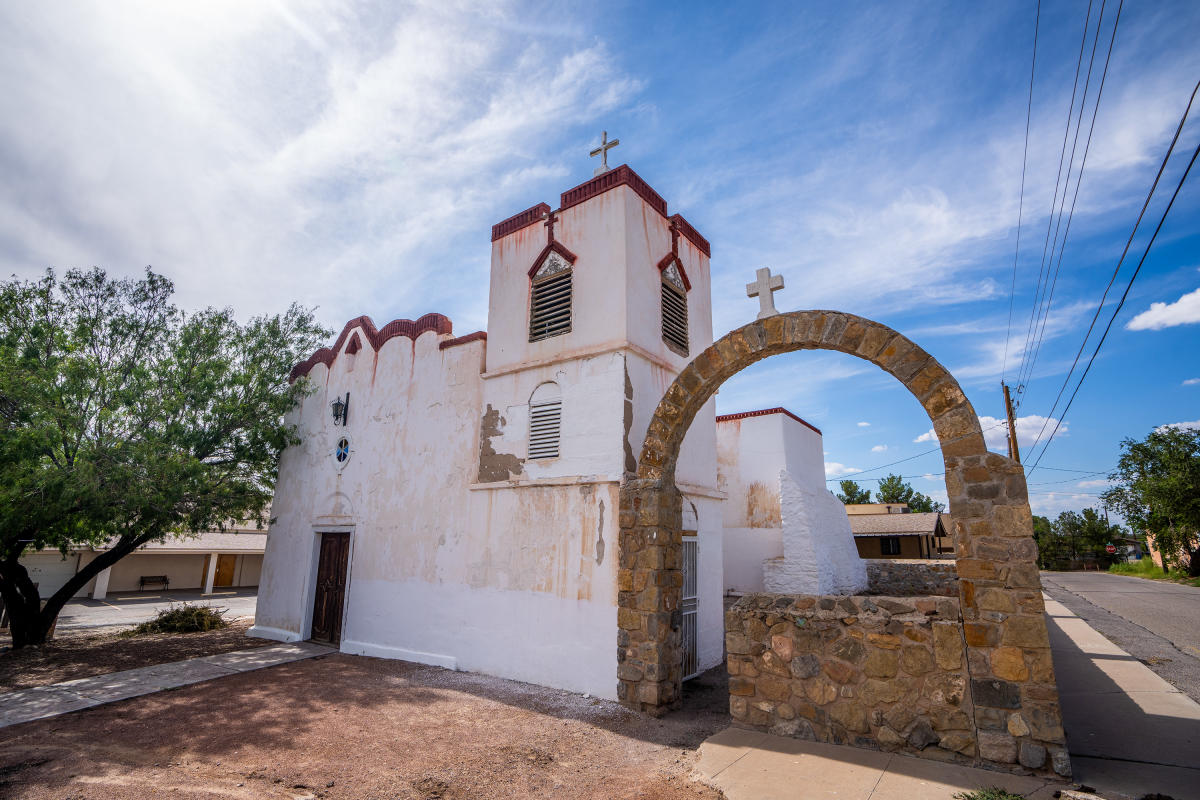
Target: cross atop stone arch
[[1008, 656]]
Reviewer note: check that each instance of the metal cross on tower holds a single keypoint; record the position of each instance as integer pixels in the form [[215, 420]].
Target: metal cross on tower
[[764, 287], [602, 151]]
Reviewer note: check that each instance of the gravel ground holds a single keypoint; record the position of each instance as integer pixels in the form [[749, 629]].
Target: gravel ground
[[342, 726], [82, 655]]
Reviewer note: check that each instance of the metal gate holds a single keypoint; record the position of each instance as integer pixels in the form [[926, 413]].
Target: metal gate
[[689, 606]]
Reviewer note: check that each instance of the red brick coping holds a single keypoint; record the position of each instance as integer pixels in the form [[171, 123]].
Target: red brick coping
[[763, 413], [438, 323], [621, 176]]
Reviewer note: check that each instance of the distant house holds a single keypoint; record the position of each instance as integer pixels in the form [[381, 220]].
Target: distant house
[[211, 560], [890, 533]]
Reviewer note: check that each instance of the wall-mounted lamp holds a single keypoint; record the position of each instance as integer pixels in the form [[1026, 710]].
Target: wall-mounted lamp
[[341, 410]]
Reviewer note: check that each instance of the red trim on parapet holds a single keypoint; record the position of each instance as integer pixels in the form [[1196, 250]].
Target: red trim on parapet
[[673, 257], [621, 176], [763, 413], [477, 336], [518, 221], [692, 234], [438, 323]]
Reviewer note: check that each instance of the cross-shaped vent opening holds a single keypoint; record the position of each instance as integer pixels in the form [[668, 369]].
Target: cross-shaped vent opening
[[550, 306], [674, 318]]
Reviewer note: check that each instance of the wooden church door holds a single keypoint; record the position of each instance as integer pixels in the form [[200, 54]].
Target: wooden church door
[[330, 593]]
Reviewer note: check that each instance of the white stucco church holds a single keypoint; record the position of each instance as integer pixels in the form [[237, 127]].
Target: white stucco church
[[453, 500]]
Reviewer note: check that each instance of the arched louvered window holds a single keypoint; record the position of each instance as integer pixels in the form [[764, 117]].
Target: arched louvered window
[[545, 421], [550, 299], [674, 311]]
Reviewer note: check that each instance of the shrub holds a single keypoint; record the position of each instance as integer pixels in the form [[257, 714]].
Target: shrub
[[990, 793], [183, 618]]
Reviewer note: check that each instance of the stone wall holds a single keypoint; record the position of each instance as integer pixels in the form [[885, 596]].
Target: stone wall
[[909, 578], [886, 673]]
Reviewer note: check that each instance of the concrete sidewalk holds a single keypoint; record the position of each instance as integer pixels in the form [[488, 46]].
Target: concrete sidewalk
[[1129, 732], [748, 765], [59, 698]]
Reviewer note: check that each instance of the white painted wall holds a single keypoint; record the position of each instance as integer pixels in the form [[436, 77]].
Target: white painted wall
[[745, 551], [751, 452], [819, 554]]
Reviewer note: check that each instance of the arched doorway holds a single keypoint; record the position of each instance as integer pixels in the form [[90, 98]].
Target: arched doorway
[[1008, 654]]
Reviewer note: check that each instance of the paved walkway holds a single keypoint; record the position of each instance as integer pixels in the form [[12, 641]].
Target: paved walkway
[[123, 610], [1129, 732], [59, 698], [748, 765]]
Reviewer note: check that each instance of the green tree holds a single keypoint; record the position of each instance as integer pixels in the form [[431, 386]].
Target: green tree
[[124, 421], [852, 493], [1158, 491], [1086, 534], [893, 489]]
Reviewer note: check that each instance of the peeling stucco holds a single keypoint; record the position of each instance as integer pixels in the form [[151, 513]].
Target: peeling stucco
[[600, 536], [495, 466], [630, 460]]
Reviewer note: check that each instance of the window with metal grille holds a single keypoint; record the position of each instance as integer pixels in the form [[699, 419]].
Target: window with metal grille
[[674, 318], [889, 545], [550, 305], [545, 421]]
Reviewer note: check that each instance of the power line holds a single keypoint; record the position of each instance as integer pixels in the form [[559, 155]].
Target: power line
[[1128, 243], [1037, 21], [1079, 179], [851, 475], [1037, 301], [1124, 296]]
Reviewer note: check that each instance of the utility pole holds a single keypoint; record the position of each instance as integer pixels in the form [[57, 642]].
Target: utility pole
[[1013, 452]]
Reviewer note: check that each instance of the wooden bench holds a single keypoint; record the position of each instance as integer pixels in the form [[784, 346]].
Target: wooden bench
[[146, 580]]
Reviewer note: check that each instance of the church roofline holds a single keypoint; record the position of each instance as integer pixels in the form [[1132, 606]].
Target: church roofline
[[764, 412], [621, 176], [438, 323]]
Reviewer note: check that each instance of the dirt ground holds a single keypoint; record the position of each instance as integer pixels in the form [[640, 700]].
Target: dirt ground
[[80, 656], [342, 726]]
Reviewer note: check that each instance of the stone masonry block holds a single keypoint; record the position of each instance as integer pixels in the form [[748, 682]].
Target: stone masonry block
[[873, 341]]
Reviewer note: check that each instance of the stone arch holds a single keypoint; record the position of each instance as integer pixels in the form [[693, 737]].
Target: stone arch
[[1008, 655]]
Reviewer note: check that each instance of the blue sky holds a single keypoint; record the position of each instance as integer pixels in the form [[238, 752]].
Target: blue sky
[[354, 158]]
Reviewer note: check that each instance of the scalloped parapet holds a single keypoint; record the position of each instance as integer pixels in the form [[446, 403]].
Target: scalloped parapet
[[438, 323]]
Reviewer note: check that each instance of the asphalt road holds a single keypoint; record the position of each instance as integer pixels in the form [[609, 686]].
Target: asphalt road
[[1154, 621], [119, 611]]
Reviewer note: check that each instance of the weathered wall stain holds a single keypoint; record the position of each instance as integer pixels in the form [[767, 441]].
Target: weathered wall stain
[[762, 506], [630, 460], [495, 466]]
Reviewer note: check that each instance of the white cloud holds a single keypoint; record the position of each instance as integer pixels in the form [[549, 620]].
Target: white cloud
[[864, 424], [995, 431], [1184, 311], [1096, 484], [259, 153], [1183, 426], [879, 448], [1192, 382], [833, 469]]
